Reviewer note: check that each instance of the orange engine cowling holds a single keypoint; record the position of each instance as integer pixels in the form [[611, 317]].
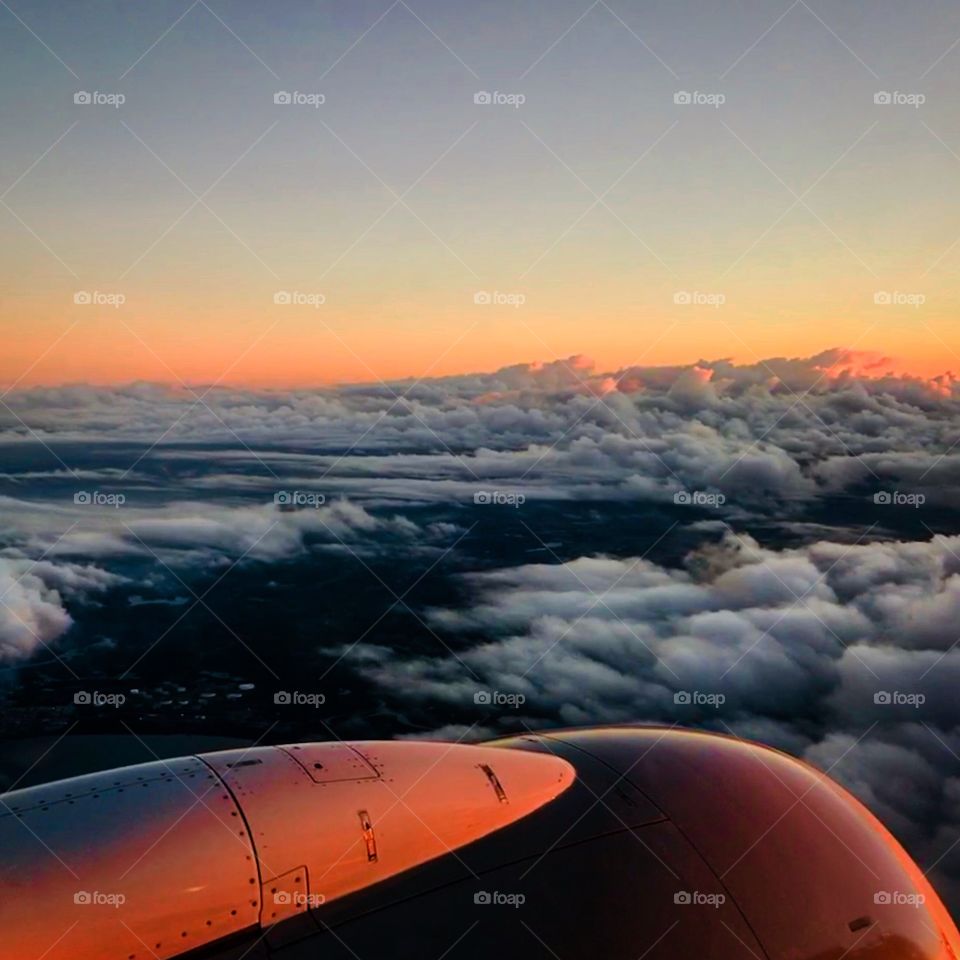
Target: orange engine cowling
[[154, 860], [612, 842]]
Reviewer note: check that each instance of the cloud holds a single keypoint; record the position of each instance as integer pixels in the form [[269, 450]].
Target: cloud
[[799, 640], [765, 434], [769, 628], [810, 649], [455, 733], [32, 608], [196, 532]]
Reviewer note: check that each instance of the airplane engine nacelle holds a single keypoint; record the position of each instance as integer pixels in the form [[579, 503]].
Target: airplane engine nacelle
[[612, 843], [150, 861]]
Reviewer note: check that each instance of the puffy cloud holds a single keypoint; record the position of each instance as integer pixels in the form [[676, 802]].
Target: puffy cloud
[[764, 434], [810, 649], [32, 608]]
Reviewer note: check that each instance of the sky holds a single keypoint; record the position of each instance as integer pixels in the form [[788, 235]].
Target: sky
[[386, 225]]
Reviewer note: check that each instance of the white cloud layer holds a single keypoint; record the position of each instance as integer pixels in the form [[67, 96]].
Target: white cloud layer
[[810, 649], [764, 434]]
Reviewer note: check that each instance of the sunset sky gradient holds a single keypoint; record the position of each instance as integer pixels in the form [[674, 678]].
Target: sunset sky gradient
[[599, 201]]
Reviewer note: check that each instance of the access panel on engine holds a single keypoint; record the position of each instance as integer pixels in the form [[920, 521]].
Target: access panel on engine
[[331, 762]]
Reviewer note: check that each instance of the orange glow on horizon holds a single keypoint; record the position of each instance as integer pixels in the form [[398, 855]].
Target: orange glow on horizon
[[259, 353]]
